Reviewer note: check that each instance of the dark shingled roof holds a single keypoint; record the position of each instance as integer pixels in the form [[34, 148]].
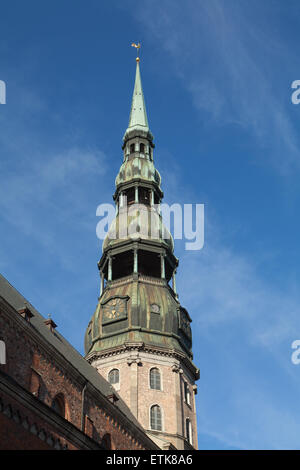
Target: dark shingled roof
[[16, 300]]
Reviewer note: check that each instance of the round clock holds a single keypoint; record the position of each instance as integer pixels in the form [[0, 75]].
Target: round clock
[[114, 309]]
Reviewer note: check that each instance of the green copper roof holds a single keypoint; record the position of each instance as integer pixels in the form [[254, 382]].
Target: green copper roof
[[138, 117]]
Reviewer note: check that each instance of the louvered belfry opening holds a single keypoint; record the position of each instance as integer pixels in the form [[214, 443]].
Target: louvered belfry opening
[[122, 264], [144, 196], [149, 263]]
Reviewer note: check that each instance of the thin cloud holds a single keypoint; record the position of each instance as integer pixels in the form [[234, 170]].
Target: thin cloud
[[224, 61], [47, 196]]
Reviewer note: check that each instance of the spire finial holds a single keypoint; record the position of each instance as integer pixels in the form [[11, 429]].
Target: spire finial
[[137, 46], [138, 120]]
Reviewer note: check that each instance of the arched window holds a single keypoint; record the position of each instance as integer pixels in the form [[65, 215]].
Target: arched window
[[187, 393], [58, 405], [142, 148], [2, 352], [35, 383], [132, 148], [155, 418], [106, 441], [188, 431], [114, 376], [155, 382]]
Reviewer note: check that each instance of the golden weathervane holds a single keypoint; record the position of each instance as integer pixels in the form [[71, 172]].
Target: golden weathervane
[[137, 46]]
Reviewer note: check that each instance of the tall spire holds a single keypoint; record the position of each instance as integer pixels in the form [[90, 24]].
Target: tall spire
[[138, 120], [139, 320]]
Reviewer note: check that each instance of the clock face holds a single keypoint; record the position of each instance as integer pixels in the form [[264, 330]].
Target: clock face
[[155, 308], [114, 309]]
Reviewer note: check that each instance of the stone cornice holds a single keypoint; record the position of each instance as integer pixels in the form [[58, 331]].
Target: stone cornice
[[167, 334], [142, 347]]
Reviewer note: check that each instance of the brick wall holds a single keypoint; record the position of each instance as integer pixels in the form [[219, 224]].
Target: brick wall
[[35, 370], [134, 388], [14, 437]]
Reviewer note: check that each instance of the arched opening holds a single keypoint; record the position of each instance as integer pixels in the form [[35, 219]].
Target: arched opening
[[155, 379], [156, 199], [106, 442], [122, 264], [142, 148], [130, 196], [132, 148], [144, 196], [188, 428], [149, 264], [156, 418], [35, 383], [60, 406], [187, 393]]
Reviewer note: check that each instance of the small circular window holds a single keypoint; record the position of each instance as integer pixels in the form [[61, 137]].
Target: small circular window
[[155, 308]]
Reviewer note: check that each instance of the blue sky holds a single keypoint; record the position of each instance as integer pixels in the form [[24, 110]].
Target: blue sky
[[217, 82]]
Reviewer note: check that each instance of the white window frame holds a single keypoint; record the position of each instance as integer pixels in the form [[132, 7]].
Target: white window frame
[[2, 352], [161, 379], [187, 393], [190, 437], [117, 384], [162, 417]]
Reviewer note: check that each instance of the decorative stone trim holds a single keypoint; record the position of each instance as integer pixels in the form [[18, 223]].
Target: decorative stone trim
[[142, 347], [16, 416], [177, 369], [134, 358]]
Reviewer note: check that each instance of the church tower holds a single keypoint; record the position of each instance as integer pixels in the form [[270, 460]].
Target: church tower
[[139, 338]]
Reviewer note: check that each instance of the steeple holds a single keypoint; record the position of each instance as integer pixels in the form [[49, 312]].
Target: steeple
[[138, 115], [138, 120], [139, 337]]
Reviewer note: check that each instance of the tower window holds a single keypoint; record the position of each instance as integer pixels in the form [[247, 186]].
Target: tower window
[[142, 148], [188, 430], [114, 376], [132, 148], [149, 264], [155, 382], [187, 393], [106, 441], [145, 196], [35, 383], [130, 195], [155, 418], [122, 265]]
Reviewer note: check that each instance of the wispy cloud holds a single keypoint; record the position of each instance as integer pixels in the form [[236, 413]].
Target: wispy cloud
[[42, 181], [50, 190], [243, 327], [227, 62]]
